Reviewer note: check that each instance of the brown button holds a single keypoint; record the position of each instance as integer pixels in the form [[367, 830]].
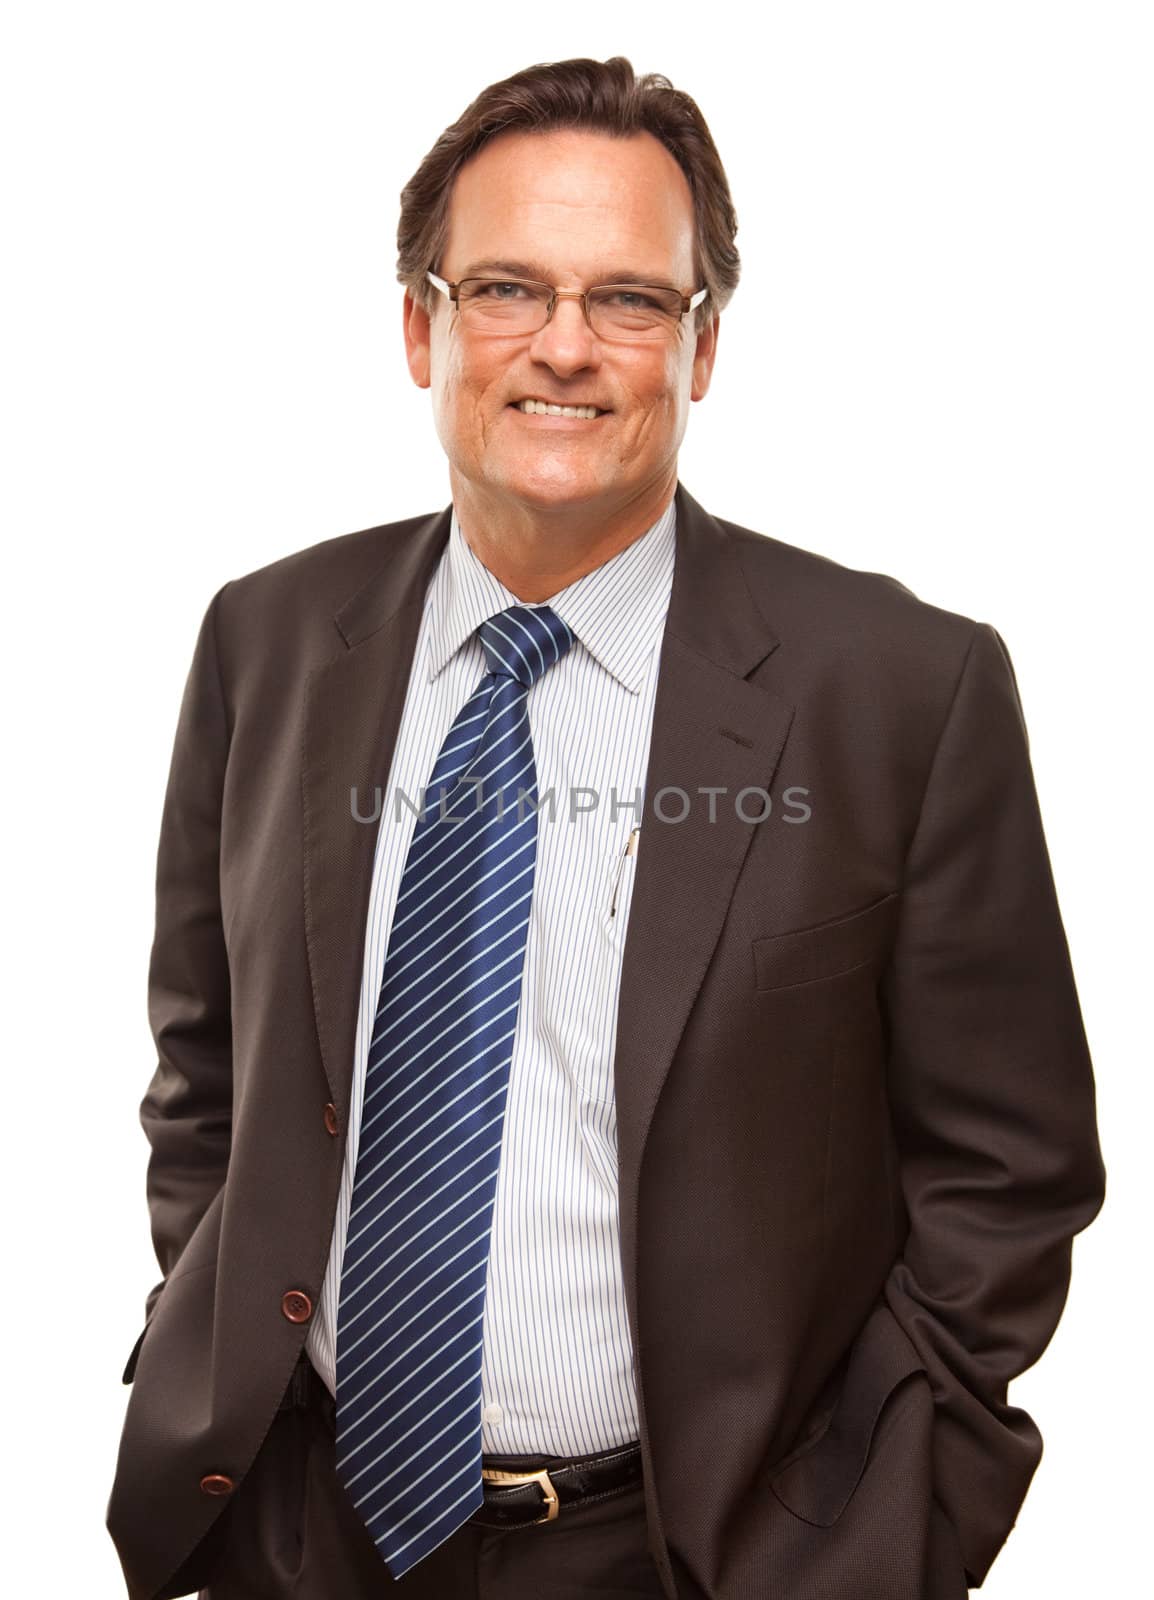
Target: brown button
[[331, 1122], [297, 1306], [217, 1483]]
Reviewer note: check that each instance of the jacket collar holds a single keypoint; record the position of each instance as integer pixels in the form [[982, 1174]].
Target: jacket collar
[[711, 610]]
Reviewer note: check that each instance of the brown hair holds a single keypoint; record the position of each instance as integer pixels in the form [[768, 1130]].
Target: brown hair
[[602, 96]]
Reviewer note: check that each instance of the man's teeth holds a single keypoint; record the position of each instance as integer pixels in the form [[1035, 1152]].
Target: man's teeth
[[539, 408]]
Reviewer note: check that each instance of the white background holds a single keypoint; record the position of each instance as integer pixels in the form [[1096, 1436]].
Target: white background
[[938, 365]]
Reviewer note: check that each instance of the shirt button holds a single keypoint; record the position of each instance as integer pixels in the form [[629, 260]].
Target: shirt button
[[217, 1483], [297, 1306], [492, 1414]]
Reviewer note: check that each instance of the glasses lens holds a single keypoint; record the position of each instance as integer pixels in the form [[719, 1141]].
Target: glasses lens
[[503, 305], [514, 306], [633, 311]]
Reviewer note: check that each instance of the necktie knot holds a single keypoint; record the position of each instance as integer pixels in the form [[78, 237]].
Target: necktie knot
[[523, 642]]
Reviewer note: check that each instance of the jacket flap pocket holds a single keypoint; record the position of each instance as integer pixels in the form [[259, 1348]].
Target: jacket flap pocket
[[817, 1482], [826, 950]]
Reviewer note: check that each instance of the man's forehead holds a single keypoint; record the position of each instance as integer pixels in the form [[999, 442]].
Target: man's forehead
[[566, 197]]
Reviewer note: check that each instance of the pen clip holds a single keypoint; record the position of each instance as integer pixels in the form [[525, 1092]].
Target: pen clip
[[629, 850]]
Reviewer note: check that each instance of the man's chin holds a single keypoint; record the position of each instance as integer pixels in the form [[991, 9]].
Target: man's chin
[[546, 491]]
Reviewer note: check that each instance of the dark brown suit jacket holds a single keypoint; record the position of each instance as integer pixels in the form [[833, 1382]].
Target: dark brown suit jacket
[[856, 1109]]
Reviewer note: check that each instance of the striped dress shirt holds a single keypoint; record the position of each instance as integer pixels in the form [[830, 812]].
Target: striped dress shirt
[[557, 1373]]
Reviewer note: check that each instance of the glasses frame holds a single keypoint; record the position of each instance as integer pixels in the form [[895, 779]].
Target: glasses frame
[[451, 291]]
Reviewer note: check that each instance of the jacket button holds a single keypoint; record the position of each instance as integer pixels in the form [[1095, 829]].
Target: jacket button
[[331, 1122], [217, 1483], [297, 1306]]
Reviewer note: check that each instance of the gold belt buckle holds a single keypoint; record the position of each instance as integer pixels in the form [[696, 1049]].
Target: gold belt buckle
[[542, 1478]]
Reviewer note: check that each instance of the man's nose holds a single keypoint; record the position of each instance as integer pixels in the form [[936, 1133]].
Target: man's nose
[[566, 342]]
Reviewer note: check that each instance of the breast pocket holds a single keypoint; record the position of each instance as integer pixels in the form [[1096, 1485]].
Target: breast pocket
[[827, 950]]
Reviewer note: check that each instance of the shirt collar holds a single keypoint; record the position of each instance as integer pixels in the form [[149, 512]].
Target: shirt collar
[[616, 611]]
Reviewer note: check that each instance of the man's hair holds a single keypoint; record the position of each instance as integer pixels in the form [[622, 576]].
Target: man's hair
[[599, 96]]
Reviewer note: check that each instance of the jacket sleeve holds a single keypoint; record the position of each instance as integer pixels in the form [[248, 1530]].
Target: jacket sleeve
[[993, 1101], [187, 1110]]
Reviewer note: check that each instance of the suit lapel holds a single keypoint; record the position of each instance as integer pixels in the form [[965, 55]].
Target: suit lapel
[[711, 729], [352, 713]]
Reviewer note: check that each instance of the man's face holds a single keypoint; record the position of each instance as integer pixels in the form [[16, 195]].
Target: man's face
[[574, 209]]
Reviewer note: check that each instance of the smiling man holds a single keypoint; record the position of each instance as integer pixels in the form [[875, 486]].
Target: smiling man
[[544, 496], [633, 1154]]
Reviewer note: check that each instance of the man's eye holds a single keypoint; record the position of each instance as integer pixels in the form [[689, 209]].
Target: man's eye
[[496, 290], [634, 300]]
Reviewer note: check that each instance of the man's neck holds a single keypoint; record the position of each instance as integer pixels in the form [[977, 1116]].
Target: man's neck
[[536, 552]]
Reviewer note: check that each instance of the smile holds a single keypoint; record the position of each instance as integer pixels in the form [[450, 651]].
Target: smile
[[545, 408]]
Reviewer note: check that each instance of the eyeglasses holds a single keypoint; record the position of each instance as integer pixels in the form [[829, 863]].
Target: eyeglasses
[[513, 307]]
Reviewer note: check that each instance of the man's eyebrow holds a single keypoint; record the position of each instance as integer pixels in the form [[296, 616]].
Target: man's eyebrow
[[539, 272]]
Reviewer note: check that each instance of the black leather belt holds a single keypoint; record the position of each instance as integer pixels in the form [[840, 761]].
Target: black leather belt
[[521, 1491]]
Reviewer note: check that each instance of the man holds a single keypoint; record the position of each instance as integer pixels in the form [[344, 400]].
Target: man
[[622, 1110]]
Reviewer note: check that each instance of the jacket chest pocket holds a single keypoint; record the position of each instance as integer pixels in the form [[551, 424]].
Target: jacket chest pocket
[[828, 950]]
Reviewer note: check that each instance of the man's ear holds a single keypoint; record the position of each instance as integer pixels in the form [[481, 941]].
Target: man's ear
[[704, 357], [417, 338]]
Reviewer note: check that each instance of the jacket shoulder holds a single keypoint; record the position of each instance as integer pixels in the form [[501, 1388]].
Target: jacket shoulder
[[846, 610], [326, 573], [287, 607]]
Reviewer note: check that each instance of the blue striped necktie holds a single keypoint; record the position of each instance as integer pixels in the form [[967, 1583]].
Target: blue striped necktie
[[409, 1325]]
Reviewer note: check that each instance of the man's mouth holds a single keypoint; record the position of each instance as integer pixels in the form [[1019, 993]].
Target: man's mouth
[[531, 407]]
